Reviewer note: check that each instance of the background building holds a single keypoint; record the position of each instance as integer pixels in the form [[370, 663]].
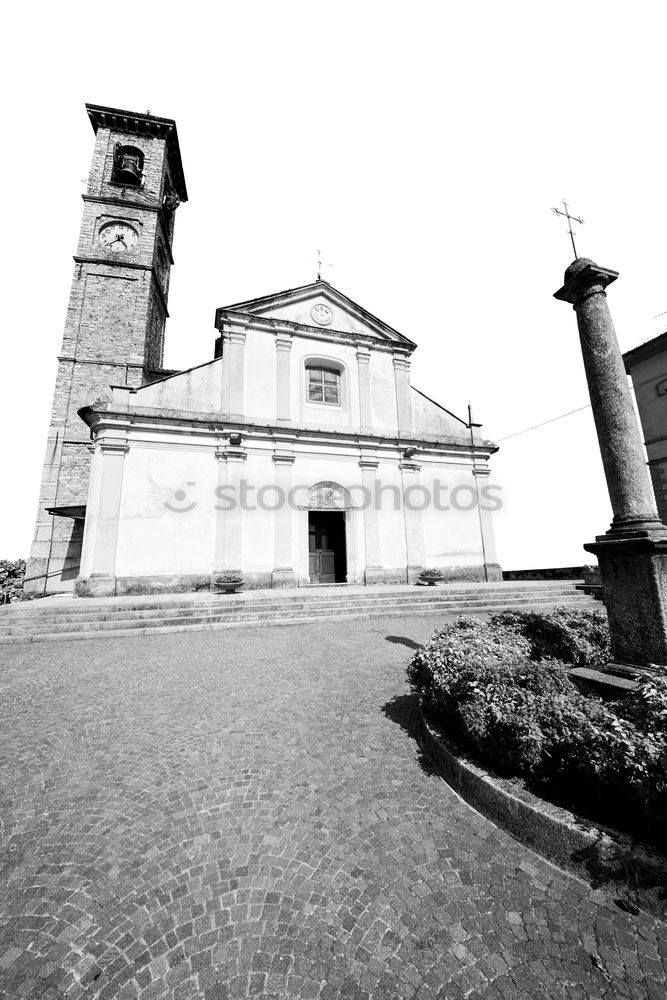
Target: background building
[[647, 366]]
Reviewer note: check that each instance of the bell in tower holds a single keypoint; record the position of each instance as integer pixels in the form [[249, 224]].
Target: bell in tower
[[128, 165]]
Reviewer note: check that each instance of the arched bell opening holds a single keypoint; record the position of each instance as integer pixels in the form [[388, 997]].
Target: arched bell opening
[[128, 165]]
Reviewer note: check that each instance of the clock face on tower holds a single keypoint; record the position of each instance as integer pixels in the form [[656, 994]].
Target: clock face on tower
[[119, 237]]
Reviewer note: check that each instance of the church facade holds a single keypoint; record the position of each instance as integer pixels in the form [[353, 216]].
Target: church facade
[[300, 454]]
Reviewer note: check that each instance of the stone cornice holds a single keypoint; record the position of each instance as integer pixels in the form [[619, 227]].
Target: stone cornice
[[259, 306], [100, 361], [204, 426], [278, 326], [132, 265], [100, 199]]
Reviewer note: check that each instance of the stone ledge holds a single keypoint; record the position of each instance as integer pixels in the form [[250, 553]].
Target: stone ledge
[[601, 684], [601, 856]]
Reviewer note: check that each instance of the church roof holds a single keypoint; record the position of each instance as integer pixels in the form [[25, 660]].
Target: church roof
[[270, 306]]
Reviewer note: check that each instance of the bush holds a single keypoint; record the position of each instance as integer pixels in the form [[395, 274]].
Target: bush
[[11, 580], [523, 715], [577, 637]]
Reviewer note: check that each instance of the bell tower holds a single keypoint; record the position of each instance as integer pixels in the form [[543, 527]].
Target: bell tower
[[114, 330]]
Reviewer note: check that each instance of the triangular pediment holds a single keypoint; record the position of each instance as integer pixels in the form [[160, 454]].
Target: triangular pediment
[[320, 306]]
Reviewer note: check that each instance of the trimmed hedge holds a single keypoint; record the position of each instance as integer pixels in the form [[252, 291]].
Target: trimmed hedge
[[503, 689]]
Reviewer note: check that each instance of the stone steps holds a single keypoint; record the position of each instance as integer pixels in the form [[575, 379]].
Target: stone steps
[[155, 616], [95, 607]]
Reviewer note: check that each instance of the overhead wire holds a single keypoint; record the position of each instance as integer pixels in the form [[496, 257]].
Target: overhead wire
[[561, 416]]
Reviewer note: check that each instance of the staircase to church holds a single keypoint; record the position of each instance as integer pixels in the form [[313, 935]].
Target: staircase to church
[[88, 618]]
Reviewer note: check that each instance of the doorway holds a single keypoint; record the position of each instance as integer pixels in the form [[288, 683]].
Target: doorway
[[327, 561]]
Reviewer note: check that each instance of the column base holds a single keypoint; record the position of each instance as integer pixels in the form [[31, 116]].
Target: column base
[[413, 572], [373, 575], [634, 580], [282, 578], [95, 585]]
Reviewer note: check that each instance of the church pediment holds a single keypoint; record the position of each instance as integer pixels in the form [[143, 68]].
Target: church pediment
[[320, 306]]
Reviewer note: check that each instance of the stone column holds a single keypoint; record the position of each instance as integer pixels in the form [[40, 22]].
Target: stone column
[[374, 572], [229, 515], [233, 367], [633, 553], [364, 376], [284, 574], [403, 394], [414, 524], [101, 581], [284, 378]]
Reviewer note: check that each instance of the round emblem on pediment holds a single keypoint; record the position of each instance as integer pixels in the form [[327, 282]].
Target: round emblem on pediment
[[322, 315]]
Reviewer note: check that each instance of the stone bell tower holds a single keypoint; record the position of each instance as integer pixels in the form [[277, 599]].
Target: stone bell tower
[[114, 331]]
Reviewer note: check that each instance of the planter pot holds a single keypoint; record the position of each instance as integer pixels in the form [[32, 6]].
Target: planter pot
[[223, 587], [429, 581]]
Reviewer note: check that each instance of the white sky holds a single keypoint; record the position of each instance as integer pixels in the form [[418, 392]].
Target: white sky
[[421, 146]]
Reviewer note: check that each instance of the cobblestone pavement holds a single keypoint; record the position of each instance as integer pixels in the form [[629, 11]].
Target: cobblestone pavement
[[245, 813]]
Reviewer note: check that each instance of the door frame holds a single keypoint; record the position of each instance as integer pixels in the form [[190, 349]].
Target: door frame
[[338, 552], [354, 537]]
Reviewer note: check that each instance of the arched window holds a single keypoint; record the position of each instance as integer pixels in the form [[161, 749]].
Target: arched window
[[128, 165], [323, 385]]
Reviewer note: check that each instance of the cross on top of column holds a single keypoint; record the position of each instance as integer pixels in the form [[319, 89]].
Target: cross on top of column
[[570, 220]]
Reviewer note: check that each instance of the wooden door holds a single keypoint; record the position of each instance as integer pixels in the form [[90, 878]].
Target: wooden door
[[321, 551]]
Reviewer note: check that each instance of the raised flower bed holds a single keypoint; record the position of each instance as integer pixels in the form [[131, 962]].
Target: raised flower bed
[[503, 690]]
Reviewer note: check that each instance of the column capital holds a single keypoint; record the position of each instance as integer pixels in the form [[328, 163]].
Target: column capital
[[283, 343], [231, 454], [284, 458], [584, 278], [368, 463], [114, 447], [363, 355], [234, 336], [401, 362], [407, 465]]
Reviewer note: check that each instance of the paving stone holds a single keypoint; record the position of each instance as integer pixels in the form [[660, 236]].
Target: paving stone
[[246, 813]]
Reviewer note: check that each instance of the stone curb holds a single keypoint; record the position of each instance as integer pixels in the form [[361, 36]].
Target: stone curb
[[602, 857]]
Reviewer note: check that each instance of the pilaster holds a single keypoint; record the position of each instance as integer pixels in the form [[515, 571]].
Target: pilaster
[[403, 394], [284, 574], [104, 518], [284, 378], [228, 554], [374, 571], [364, 377], [233, 373], [414, 523]]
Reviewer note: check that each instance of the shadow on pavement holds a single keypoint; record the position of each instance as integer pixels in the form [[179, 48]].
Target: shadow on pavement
[[401, 640], [403, 709]]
